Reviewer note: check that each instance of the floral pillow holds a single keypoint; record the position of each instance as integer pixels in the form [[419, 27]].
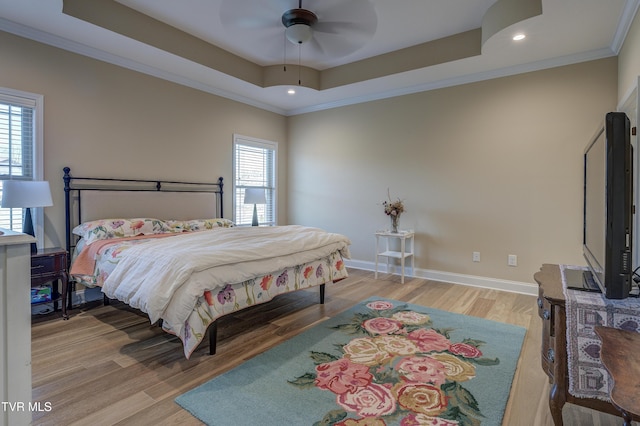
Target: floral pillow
[[118, 228], [198, 224]]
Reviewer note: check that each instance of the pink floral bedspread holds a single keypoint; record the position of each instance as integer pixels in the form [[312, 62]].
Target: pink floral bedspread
[[232, 297]]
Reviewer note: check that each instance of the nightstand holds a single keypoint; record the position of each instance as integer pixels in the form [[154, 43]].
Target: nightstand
[[402, 254], [49, 265]]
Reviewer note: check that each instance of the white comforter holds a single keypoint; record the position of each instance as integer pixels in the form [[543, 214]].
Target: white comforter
[[165, 277]]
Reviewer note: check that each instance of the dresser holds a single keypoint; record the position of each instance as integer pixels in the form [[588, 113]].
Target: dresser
[[15, 328], [551, 309]]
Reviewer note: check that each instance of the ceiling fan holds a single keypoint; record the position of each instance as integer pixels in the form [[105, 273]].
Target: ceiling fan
[[298, 23], [328, 29]]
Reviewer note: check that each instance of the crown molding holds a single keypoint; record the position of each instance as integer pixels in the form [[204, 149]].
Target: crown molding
[[98, 54], [630, 10], [465, 79], [626, 19]]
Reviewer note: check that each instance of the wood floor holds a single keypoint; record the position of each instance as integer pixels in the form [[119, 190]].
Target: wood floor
[[107, 365]]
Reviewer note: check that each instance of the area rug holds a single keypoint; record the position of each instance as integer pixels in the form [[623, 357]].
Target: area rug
[[382, 362]]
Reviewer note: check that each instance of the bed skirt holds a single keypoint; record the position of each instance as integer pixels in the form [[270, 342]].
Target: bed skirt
[[235, 297]]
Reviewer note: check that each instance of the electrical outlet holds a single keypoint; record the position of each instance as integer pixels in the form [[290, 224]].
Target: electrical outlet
[[512, 260], [476, 256]]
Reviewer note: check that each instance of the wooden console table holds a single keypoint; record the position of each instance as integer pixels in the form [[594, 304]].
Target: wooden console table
[[551, 308], [620, 354]]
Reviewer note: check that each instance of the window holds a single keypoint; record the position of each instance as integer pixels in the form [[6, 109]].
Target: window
[[254, 166], [20, 149]]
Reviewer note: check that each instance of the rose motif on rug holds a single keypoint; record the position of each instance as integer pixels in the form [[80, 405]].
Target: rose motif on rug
[[397, 369]]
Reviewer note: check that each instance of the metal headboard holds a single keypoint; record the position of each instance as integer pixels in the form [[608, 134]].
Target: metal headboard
[[73, 187]]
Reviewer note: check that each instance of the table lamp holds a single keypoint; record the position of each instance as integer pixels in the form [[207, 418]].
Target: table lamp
[[254, 196], [26, 194]]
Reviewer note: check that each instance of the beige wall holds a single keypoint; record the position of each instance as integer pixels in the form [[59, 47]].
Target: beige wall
[[628, 74], [629, 61], [103, 120], [494, 167]]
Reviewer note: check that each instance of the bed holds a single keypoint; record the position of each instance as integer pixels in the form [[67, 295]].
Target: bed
[[164, 247]]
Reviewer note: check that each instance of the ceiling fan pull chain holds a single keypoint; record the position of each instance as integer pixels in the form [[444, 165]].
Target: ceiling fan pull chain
[[299, 61], [284, 61]]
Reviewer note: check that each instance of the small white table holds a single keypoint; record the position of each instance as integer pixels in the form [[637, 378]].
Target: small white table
[[404, 237]]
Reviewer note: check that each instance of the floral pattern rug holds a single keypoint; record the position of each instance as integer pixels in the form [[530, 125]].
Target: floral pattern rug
[[382, 362]]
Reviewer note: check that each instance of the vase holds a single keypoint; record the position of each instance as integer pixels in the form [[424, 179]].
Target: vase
[[395, 221]]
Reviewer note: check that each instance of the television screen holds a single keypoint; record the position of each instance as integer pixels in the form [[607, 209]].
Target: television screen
[[595, 207], [608, 208]]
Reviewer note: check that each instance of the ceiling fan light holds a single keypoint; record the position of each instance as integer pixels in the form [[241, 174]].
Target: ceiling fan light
[[298, 33]]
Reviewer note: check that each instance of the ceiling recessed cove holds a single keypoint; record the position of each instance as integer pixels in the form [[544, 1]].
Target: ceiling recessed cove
[[504, 13]]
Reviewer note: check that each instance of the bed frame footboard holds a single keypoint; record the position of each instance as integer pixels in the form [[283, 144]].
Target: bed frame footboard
[[213, 327], [213, 333]]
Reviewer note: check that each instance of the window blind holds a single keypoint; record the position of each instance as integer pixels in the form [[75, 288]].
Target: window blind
[[254, 167], [17, 146]]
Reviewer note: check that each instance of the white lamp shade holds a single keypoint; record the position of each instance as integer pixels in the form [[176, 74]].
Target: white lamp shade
[[298, 33], [26, 193], [254, 196]]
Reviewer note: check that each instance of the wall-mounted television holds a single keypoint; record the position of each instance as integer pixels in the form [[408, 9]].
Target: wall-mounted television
[[608, 208]]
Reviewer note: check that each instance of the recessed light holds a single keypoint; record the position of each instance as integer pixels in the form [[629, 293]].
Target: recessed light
[[291, 91], [519, 37]]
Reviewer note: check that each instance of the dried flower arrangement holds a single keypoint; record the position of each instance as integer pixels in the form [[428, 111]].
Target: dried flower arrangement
[[393, 209]]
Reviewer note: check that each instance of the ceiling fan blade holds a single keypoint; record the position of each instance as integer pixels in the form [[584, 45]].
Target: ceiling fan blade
[[329, 27], [337, 45], [343, 26], [365, 29], [347, 11], [316, 47], [238, 15]]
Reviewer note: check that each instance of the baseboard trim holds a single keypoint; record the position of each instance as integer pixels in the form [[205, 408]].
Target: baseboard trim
[[450, 277], [80, 297]]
